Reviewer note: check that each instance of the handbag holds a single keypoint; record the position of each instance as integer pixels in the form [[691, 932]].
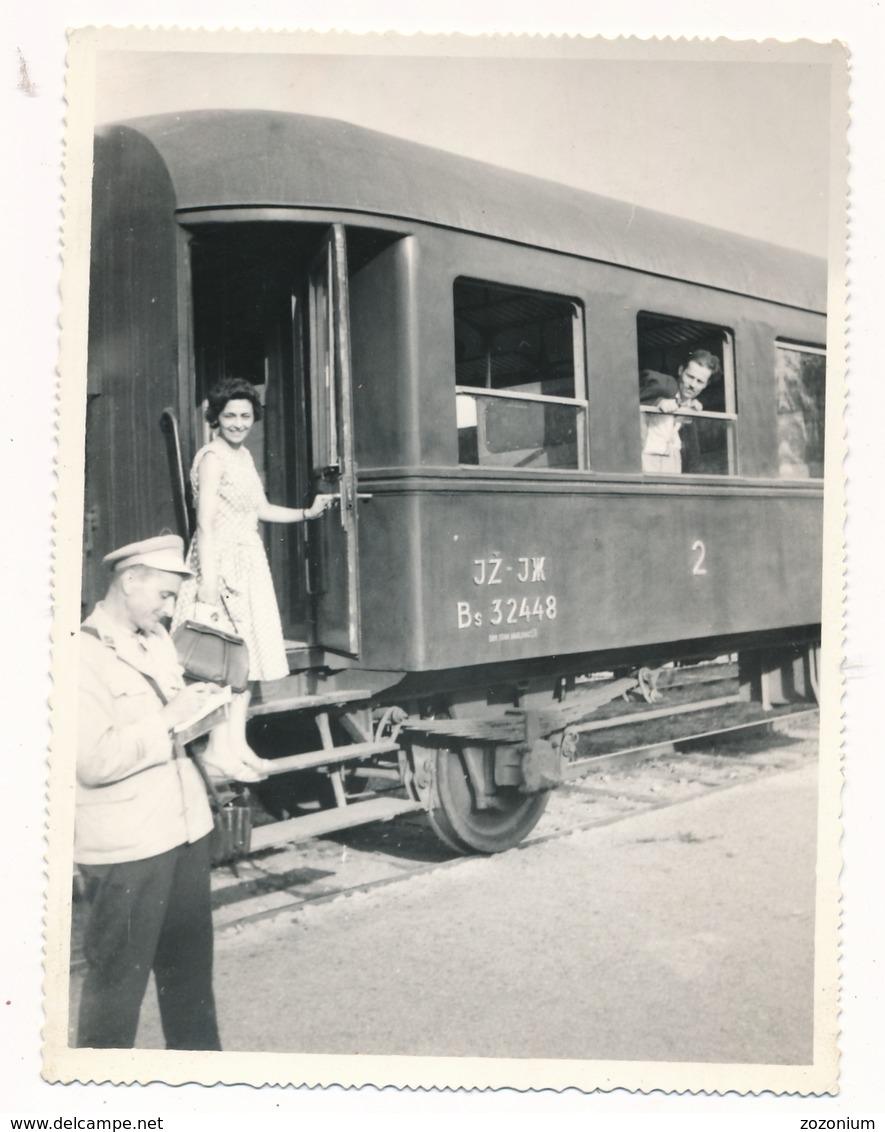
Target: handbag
[[231, 836], [206, 652]]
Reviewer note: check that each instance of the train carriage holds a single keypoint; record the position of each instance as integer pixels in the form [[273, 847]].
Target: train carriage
[[455, 350]]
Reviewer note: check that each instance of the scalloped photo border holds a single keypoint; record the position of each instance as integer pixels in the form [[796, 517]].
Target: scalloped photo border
[[91, 51]]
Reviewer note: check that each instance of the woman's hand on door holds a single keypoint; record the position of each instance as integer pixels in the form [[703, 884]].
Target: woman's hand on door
[[320, 504]]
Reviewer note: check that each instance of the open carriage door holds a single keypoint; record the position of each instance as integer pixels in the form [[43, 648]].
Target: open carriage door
[[332, 539]]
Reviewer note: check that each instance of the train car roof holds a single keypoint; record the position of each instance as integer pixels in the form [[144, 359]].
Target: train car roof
[[254, 158]]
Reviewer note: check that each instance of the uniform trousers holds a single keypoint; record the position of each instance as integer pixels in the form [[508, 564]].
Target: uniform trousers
[[150, 915]]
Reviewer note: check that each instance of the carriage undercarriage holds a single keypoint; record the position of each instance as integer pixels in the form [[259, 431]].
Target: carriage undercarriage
[[340, 760]]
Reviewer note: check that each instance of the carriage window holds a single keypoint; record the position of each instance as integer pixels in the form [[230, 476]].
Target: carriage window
[[687, 401], [519, 378], [801, 381]]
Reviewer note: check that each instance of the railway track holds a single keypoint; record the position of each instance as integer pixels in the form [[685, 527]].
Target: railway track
[[601, 789]]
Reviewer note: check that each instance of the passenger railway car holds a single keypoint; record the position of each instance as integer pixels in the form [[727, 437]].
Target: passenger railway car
[[456, 350]]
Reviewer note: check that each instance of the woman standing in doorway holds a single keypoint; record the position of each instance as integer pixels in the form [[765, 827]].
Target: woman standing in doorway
[[232, 585]]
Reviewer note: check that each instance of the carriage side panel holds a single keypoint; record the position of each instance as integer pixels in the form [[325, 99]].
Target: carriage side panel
[[509, 564], [133, 350], [497, 575]]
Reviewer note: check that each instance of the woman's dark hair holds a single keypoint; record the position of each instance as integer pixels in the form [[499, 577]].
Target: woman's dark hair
[[231, 389]]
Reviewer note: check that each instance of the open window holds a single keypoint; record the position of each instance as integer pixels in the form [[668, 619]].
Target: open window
[[519, 374], [685, 432], [801, 373]]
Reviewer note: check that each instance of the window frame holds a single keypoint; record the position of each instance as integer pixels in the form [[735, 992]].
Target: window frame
[[729, 382], [815, 351], [579, 372]]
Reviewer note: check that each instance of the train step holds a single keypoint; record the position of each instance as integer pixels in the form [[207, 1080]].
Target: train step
[[327, 821], [319, 700], [330, 756]]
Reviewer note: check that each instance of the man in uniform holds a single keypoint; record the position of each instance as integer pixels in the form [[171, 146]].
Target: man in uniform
[[142, 825]]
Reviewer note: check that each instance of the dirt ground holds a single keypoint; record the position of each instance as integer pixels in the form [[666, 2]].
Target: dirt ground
[[679, 933]]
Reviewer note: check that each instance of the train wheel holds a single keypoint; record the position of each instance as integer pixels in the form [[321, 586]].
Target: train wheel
[[466, 829]]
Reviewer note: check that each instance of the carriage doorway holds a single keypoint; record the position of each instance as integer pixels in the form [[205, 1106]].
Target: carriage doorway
[[270, 306]]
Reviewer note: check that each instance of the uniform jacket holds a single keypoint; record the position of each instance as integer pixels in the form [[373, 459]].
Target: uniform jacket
[[135, 799]]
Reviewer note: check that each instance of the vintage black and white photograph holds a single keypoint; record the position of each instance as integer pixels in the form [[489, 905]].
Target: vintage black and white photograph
[[446, 668]]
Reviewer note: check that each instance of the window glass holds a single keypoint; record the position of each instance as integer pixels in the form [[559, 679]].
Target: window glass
[[519, 377], [687, 397], [801, 385]]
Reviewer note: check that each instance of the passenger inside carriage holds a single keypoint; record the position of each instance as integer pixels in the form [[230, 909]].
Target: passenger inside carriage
[[669, 437]]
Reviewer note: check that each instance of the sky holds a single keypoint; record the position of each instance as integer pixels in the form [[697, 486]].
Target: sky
[[742, 146]]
